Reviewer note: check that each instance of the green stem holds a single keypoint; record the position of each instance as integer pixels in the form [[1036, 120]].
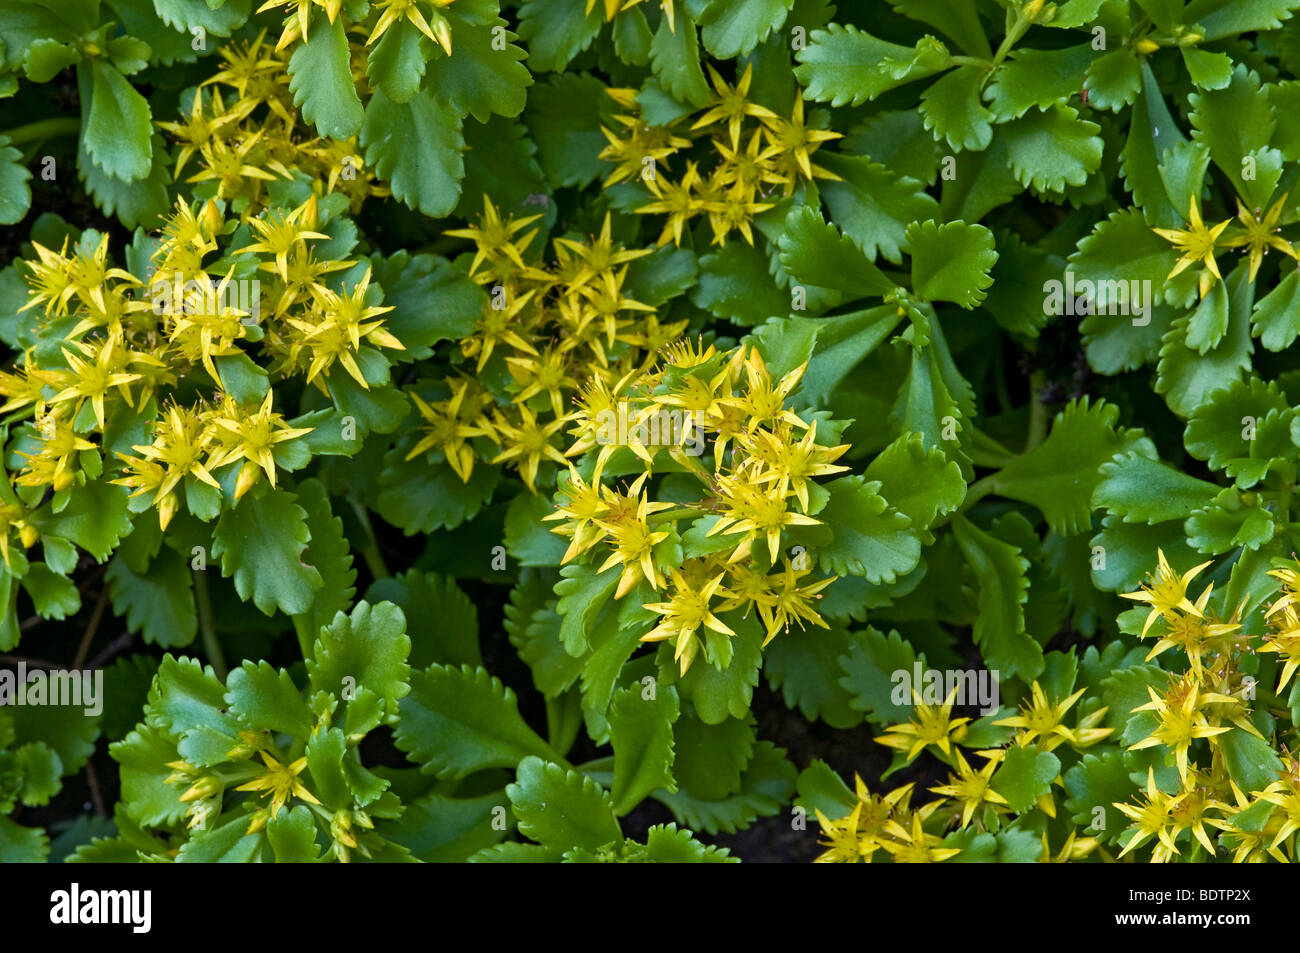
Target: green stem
[[370, 549], [203, 602], [42, 129], [1037, 412], [971, 61]]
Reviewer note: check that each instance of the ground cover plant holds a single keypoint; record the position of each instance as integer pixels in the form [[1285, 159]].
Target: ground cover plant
[[673, 431]]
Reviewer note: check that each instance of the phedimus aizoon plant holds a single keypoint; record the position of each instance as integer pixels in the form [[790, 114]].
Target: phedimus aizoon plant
[[486, 431]]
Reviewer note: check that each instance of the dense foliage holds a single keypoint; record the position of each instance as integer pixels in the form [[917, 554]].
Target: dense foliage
[[492, 425]]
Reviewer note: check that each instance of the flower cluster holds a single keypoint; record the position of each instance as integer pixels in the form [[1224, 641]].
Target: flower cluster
[[738, 156], [543, 331], [1212, 780], [244, 134], [158, 347], [1197, 241], [721, 546]]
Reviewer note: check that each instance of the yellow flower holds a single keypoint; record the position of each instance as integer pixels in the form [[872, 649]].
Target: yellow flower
[[686, 612], [1285, 641], [633, 541], [450, 423], [279, 233], [1041, 720], [527, 443], [1181, 720], [251, 438], [1195, 243], [439, 31], [94, 379], [279, 780], [971, 787], [181, 439], [676, 200], [334, 328], [1167, 592], [497, 243], [842, 843], [1154, 818], [932, 725], [791, 602], [1261, 234], [584, 504], [795, 143], [732, 103], [914, 845], [296, 27]]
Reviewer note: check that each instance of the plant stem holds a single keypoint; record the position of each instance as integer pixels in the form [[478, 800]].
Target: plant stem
[[206, 628], [1037, 412], [42, 129], [91, 628], [370, 549]]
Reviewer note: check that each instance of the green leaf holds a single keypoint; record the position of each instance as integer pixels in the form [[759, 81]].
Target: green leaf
[[441, 620], [370, 648], [565, 115], [22, 845], [440, 829], [456, 721], [735, 284], [873, 206], [432, 300], [1276, 318], [1060, 475], [1237, 122], [951, 262], [1053, 148], [557, 31], [766, 787], [921, 484], [320, 78], [641, 731], [1025, 774], [481, 78], [718, 695], [1142, 490], [871, 538], [665, 844], [844, 65], [260, 542], [146, 795], [675, 60], [264, 697], [711, 759], [15, 194], [806, 668], [952, 110], [734, 29], [421, 498], [117, 130], [562, 808], [396, 64], [1029, 78], [328, 551], [416, 147], [1000, 571], [816, 253], [54, 596], [869, 666], [1251, 762], [159, 603], [95, 518], [1100, 780], [292, 835]]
